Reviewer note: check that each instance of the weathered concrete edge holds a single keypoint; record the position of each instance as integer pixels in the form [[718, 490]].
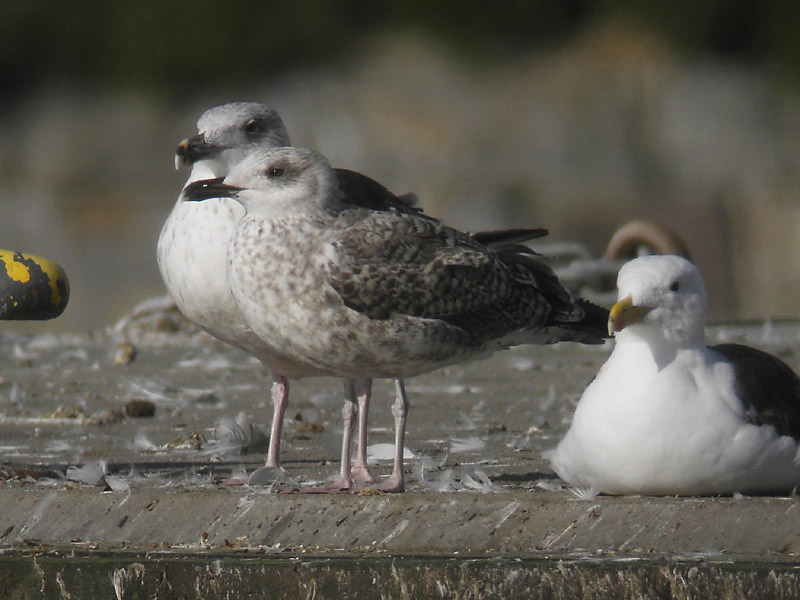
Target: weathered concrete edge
[[464, 524]]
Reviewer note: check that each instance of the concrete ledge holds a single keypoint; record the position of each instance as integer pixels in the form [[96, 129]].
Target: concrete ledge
[[463, 524], [180, 532]]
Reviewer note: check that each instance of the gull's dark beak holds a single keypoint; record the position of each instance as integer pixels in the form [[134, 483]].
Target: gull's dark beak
[[195, 148], [205, 189]]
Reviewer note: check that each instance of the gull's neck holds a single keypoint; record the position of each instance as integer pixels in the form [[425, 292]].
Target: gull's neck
[[207, 169], [638, 339]]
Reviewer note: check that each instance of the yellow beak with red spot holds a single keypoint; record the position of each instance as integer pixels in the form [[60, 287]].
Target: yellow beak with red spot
[[625, 313]]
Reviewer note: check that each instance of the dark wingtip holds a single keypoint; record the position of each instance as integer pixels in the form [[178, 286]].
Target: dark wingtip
[[591, 329], [508, 237], [359, 190], [595, 319]]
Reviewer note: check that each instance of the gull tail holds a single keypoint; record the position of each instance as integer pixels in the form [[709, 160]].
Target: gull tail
[[570, 319]]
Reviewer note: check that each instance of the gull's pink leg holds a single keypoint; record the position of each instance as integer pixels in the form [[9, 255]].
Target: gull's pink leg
[[352, 390], [345, 481], [395, 482], [360, 471], [280, 400]]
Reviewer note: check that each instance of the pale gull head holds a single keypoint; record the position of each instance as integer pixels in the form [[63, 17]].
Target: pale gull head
[[661, 299], [230, 132], [278, 181]]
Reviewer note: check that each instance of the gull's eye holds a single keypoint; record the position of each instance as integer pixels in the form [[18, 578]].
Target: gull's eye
[[275, 172], [253, 127], [675, 286]]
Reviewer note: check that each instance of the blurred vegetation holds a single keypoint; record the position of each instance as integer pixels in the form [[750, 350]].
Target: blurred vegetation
[[175, 47]]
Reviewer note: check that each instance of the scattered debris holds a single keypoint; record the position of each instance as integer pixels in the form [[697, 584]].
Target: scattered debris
[[385, 451], [454, 479], [270, 476], [66, 412], [237, 436], [90, 473], [140, 407], [308, 427], [193, 441], [143, 444], [467, 445], [96, 474], [105, 416], [124, 353]]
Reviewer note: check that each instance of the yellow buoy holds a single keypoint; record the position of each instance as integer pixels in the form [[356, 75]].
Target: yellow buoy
[[31, 287]]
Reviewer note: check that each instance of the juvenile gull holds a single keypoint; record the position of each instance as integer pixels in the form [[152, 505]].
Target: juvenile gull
[[193, 246], [668, 415], [360, 293]]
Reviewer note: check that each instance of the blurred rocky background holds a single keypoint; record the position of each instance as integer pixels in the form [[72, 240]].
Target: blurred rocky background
[[578, 115]]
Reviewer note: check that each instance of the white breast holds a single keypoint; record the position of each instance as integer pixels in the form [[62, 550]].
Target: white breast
[[192, 257], [675, 430]]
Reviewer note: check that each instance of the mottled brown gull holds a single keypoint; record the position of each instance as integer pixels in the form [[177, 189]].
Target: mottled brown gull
[[193, 246], [357, 293]]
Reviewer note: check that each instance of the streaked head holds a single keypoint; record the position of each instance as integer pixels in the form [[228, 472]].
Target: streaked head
[[275, 181], [230, 132]]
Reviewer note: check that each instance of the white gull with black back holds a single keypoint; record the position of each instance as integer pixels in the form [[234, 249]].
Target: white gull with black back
[[667, 415]]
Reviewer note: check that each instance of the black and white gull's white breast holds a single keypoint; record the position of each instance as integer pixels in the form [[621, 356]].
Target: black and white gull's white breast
[[668, 415]]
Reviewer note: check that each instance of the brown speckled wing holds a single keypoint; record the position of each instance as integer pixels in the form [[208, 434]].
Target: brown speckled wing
[[393, 264]]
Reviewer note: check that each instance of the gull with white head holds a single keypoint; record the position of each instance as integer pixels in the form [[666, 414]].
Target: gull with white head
[[193, 245], [359, 293], [667, 415]]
